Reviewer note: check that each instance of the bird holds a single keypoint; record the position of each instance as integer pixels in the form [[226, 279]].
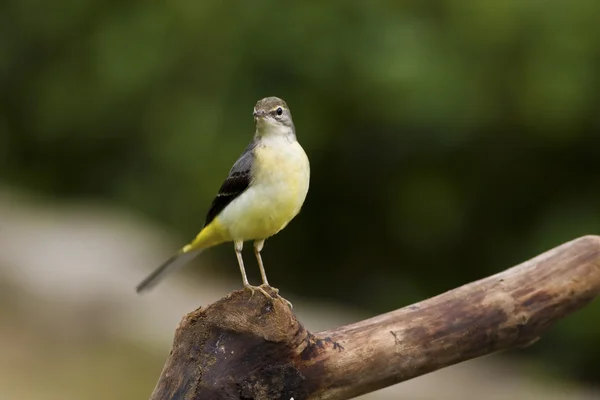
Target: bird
[[264, 191]]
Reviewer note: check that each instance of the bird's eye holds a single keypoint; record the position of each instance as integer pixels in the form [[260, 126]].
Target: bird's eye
[[279, 111]]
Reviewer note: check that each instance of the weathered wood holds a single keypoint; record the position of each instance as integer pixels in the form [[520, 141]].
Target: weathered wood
[[244, 347]]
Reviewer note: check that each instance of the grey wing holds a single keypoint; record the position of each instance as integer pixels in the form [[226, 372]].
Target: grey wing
[[238, 180]]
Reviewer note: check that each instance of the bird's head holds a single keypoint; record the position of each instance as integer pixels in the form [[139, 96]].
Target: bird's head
[[272, 116]]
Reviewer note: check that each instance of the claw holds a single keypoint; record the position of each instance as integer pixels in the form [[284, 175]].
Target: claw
[[288, 302], [260, 289], [266, 285], [250, 288]]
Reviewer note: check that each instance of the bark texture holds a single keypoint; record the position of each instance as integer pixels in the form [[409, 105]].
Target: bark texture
[[244, 347]]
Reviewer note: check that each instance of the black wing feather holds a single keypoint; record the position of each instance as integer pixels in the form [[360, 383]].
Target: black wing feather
[[239, 179]]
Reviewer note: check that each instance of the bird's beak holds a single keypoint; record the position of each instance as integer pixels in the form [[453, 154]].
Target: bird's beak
[[259, 114]]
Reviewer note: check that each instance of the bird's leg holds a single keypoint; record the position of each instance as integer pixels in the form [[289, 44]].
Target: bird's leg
[[239, 245], [258, 246]]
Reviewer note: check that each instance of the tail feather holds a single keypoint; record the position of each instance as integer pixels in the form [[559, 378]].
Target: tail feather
[[175, 262]]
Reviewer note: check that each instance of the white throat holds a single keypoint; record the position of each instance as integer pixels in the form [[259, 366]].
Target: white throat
[[267, 129]]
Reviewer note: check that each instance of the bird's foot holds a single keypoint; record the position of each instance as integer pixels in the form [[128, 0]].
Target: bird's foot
[[266, 285], [289, 303], [258, 288]]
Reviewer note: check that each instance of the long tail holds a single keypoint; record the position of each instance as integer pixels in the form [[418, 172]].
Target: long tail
[[209, 236], [176, 261]]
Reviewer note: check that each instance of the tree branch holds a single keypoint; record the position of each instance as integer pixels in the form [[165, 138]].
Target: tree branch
[[244, 347]]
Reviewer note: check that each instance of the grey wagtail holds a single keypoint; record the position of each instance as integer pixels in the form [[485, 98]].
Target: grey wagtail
[[264, 191]]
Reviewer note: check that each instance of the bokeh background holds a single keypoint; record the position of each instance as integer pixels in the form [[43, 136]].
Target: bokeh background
[[448, 140]]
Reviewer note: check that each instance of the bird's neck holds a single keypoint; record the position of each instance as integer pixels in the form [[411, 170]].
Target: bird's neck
[[271, 131]]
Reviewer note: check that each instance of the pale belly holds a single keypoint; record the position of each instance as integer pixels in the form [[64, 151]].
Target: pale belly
[[282, 174]]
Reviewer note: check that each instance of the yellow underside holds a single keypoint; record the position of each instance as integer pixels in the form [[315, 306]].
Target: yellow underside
[[280, 182], [212, 235]]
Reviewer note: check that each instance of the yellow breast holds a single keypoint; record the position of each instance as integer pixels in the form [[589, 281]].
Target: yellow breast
[[280, 180]]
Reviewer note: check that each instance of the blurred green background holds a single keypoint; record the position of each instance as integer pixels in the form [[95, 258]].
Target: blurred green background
[[448, 140]]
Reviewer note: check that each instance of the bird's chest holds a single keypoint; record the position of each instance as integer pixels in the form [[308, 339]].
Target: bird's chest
[[282, 173]]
